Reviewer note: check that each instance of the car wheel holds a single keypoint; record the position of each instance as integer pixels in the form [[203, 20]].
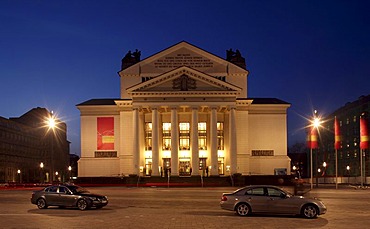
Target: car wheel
[[309, 211], [41, 203], [243, 209], [82, 204]]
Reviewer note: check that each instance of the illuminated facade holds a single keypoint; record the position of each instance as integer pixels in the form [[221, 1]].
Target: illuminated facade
[[183, 112]]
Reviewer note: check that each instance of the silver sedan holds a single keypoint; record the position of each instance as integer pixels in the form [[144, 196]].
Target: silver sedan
[[271, 200]]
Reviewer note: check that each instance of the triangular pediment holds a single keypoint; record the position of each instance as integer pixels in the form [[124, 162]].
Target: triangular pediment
[[183, 54], [184, 80]]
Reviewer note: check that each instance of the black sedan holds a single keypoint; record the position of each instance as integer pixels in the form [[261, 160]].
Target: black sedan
[[67, 196]]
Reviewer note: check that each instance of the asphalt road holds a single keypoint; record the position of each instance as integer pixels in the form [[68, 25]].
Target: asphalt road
[[178, 208]]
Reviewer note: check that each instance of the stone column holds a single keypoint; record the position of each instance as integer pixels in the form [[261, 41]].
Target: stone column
[[194, 143], [174, 142], [155, 142], [232, 140], [213, 142], [136, 148]]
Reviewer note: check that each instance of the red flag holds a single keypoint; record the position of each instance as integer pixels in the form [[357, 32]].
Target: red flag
[[312, 138], [364, 136], [337, 136], [105, 133]]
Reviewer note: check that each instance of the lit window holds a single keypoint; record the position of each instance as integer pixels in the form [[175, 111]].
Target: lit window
[[202, 135], [148, 136], [184, 136], [166, 136], [220, 135], [354, 118]]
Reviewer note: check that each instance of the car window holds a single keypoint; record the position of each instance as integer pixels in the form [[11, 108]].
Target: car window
[[51, 189], [62, 189], [77, 189], [274, 192], [255, 191]]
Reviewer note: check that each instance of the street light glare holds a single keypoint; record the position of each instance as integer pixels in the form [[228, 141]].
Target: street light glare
[[51, 122], [316, 122]]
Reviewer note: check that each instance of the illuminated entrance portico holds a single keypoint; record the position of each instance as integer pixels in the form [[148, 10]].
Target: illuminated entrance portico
[[183, 112]]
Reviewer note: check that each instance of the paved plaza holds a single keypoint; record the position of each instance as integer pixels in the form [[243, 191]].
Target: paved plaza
[[154, 207]]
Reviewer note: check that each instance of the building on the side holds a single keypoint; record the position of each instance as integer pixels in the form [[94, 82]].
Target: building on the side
[[26, 142], [348, 117], [183, 112]]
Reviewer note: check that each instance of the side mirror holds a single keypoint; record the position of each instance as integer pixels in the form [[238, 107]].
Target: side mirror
[[283, 196]]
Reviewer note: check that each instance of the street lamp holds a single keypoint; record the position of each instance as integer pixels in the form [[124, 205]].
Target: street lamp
[[56, 175], [19, 175], [348, 168], [51, 122], [42, 175], [70, 173], [315, 123], [324, 165]]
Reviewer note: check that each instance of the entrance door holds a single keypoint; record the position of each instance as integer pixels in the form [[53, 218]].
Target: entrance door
[[184, 167], [202, 165], [166, 171], [221, 166], [148, 167]]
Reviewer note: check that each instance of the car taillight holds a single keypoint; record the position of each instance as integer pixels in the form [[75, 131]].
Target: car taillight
[[223, 198]]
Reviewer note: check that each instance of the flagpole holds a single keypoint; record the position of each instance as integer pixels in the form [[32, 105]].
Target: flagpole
[[362, 179], [336, 169], [311, 168]]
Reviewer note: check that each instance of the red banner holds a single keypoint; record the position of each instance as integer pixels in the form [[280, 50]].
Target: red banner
[[312, 142], [364, 135], [105, 133], [337, 136]]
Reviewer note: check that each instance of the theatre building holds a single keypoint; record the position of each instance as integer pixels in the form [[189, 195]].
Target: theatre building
[[183, 112]]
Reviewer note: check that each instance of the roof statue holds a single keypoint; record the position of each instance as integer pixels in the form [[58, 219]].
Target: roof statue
[[130, 59], [235, 58]]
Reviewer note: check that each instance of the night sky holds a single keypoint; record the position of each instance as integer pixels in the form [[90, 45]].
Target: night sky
[[314, 54]]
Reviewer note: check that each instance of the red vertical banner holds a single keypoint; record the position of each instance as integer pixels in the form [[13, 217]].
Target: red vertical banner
[[105, 133], [337, 136], [312, 138], [364, 135]]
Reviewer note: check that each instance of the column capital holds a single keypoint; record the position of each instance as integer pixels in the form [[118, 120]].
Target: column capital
[[231, 108]]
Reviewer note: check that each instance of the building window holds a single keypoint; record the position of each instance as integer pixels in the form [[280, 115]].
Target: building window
[[220, 135], [166, 136], [202, 135], [354, 118], [184, 136], [148, 136]]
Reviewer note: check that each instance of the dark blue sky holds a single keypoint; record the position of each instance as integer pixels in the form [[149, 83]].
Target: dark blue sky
[[313, 54]]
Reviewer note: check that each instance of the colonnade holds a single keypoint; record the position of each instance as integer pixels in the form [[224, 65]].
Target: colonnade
[[194, 145]]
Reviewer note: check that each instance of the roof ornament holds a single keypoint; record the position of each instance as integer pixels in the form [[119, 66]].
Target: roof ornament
[[236, 58], [130, 59]]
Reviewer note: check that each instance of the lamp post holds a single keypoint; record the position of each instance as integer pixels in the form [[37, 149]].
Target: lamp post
[[56, 176], [324, 165], [348, 168], [70, 173], [51, 124], [315, 123], [19, 175], [42, 175]]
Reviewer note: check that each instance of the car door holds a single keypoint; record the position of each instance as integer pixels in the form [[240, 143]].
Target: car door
[[279, 202], [51, 195], [257, 199], [65, 197]]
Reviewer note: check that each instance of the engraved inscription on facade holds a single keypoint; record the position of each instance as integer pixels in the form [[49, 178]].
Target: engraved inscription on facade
[[259, 153], [105, 154], [183, 60]]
